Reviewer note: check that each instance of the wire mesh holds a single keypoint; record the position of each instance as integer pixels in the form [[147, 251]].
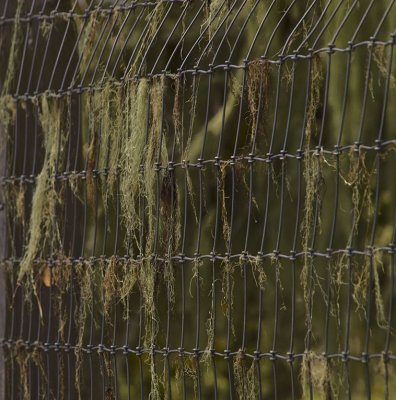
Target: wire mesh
[[197, 199]]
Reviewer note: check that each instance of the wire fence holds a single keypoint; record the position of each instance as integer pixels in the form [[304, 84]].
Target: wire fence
[[197, 199]]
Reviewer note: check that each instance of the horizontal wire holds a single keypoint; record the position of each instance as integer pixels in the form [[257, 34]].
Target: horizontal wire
[[245, 256], [226, 354], [358, 148], [198, 70]]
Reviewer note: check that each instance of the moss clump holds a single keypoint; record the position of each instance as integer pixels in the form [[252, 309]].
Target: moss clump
[[43, 226], [313, 166], [257, 95], [191, 370], [259, 272], [369, 274], [128, 281], [154, 19], [377, 268], [86, 276], [20, 203], [131, 175], [22, 359], [316, 373], [25, 360], [178, 109], [60, 278], [119, 279], [312, 173], [45, 27], [228, 283], [110, 109], [155, 152], [92, 151], [155, 391], [224, 214], [379, 56], [15, 48], [216, 11], [359, 179], [141, 185], [110, 285], [8, 109], [88, 42], [245, 377]]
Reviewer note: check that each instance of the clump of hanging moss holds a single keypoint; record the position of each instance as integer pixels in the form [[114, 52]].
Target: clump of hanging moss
[[155, 392], [145, 146], [312, 173], [224, 214], [60, 279], [86, 276], [259, 272], [43, 228], [379, 56], [358, 179], [215, 11], [110, 284], [378, 267], [45, 28], [113, 287], [362, 282], [155, 151], [227, 285], [155, 18], [108, 115], [20, 202], [7, 112], [91, 155], [257, 95], [177, 112], [131, 175], [313, 166], [128, 281], [245, 377], [315, 371], [15, 48], [24, 359], [191, 370], [88, 42]]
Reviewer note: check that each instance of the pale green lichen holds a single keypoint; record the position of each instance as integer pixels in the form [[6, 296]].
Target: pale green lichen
[[43, 228]]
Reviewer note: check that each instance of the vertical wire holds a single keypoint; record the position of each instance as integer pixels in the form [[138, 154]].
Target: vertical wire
[[391, 251], [277, 262], [292, 252]]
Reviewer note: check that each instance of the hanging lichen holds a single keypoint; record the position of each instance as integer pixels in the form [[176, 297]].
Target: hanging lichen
[[154, 18], [43, 230], [379, 56], [312, 173], [131, 175], [215, 11], [228, 284], [109, 116], [358, 178], [15, 47], [88, 42], [245, 377], [257, 96], [316, 373]]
